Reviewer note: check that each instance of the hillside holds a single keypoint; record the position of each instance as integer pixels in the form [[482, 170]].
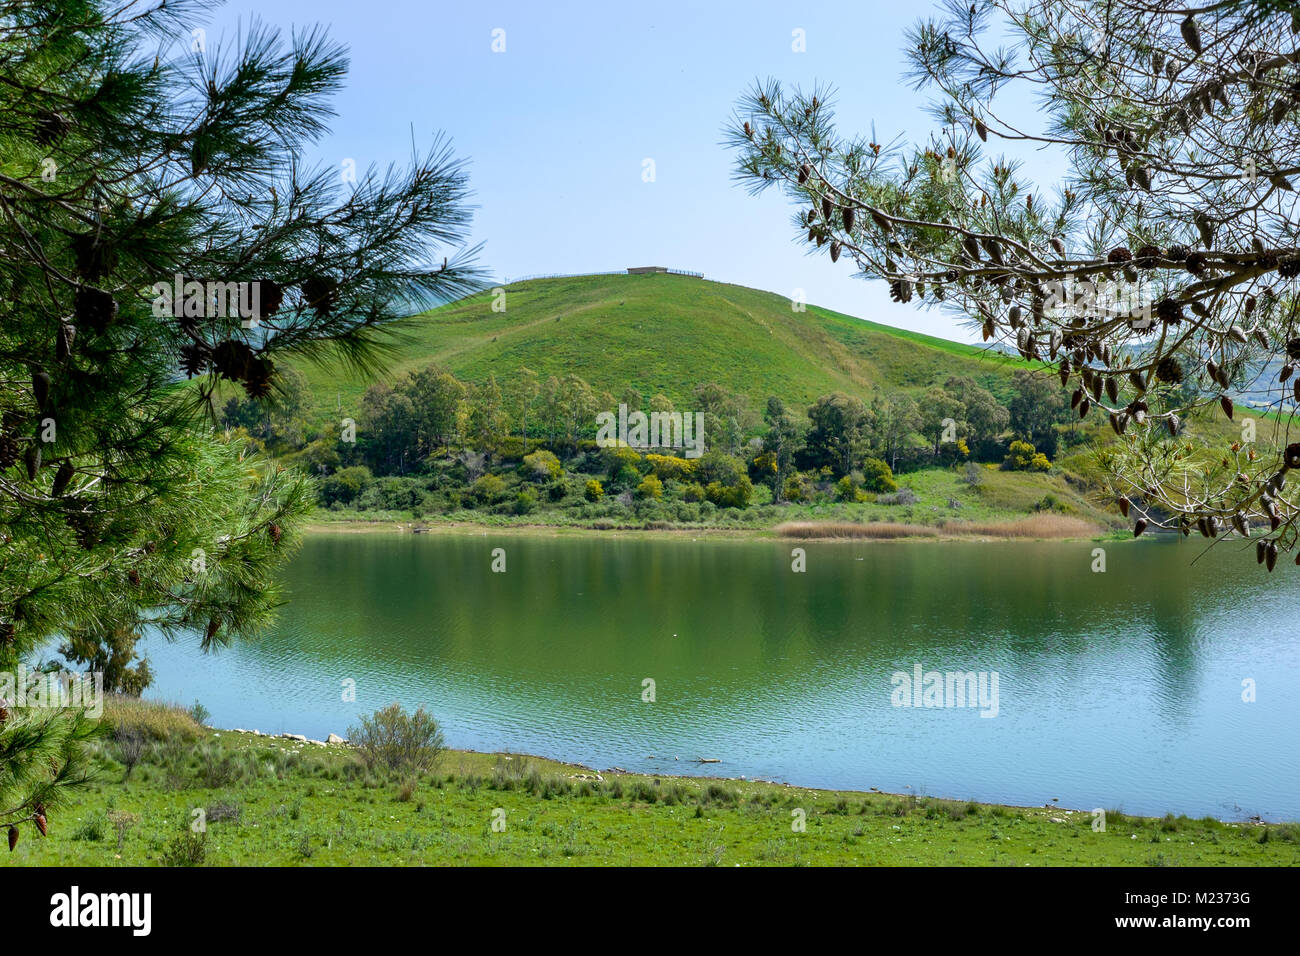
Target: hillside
[[666, 334]]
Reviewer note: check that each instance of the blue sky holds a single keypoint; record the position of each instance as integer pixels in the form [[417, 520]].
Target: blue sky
[[557, 127]]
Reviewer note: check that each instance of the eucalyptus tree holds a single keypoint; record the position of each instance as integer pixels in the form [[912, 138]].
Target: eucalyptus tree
[[158, 222], [1155, 276]]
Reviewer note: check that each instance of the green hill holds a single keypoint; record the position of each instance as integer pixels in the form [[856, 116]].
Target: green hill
[[666, 334]]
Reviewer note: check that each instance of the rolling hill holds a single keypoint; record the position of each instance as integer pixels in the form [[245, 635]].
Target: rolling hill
[[666, 333]]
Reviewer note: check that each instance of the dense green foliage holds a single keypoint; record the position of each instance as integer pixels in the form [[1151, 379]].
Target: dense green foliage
[[157, 223], [429, 444]]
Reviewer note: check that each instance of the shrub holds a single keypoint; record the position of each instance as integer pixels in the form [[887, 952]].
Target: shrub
[[92, 829], [130, 749], [1022, 457], [620, 458], [904, 496], [148, 720], [223, 811], [650, 487], [972, 474], [525, 501], [693, 491], [393, 739], [542, 465], [391, 494], [218, 768], [797, 488], [730, 496], [188, 849], [670, 467], [720, 467], [345, 485], [849, 488], [489, 489], [594, 490], [877, 476]]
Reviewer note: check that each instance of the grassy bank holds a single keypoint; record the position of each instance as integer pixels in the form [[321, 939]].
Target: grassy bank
[[276, 802], [1032, 528]]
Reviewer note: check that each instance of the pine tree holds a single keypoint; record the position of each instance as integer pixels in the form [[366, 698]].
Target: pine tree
[[1158, 278], [136, 161]]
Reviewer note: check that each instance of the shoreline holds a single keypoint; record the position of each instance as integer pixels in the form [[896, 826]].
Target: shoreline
[[587, 772], [1017, 529]]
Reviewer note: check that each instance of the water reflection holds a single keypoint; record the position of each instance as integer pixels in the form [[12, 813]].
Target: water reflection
[[1119, 690]]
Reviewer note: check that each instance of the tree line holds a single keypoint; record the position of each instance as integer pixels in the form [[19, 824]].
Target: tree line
[[428, 414]]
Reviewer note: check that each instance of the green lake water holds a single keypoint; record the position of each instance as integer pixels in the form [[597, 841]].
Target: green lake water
[[1121, 690]]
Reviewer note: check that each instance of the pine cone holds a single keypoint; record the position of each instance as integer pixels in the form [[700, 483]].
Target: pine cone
[[50, 128], [258, 376], [275, 531], [231, 359], [62, 478], [32, 458], [94, 308], [1119, 255], [270, 296], [1195, 263], [1169, 370], [900, 291], [194, 360], [1147, 257], [321, 293], [66, 336], [1169, 311], [41, 390], [95, 257], [84, 528], [1176, 253], [1289, 266]]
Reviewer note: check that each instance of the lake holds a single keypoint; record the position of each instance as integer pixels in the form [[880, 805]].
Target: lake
[[1120, 690]]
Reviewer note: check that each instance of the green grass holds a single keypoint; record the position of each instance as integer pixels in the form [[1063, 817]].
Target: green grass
[[667, 334], [273, 802]]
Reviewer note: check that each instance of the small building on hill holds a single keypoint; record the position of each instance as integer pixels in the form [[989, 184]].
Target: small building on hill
[[653, 270]]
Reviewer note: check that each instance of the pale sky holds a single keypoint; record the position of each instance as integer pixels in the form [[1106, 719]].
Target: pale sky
[[558, 126]]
